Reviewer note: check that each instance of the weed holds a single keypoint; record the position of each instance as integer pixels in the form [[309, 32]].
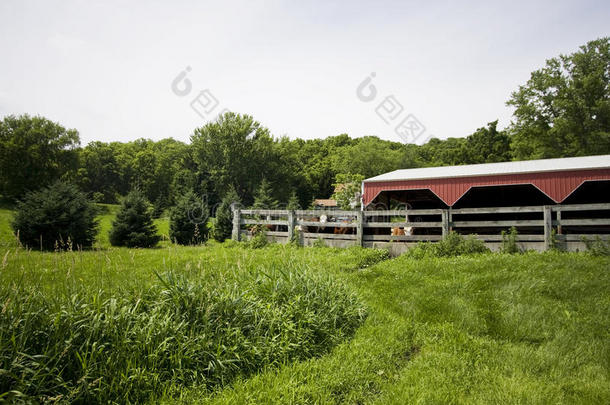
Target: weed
[[597, 246], [509, 241]]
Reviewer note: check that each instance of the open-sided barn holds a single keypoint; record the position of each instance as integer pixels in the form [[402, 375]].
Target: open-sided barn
[[577, 180]]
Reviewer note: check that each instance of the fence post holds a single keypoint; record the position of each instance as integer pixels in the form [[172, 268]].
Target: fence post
[[548, 226], [450, 219], [236, 224], [291, 225], [360, 227], [445, 220]]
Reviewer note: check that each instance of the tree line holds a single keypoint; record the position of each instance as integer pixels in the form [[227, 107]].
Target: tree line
[[563, 110]]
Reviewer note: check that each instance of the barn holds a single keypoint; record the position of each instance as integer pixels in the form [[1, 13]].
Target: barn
[[576, 180]]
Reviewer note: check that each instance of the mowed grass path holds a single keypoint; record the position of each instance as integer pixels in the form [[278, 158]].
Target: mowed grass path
[[532, 328]]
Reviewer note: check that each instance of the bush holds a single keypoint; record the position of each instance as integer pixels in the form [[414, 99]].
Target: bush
[[597, 247], [453, 244], [133, 226], [259, 237], [188, 221], [58, 216], [223, 225]]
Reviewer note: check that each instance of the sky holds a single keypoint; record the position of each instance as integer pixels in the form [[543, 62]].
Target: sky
[[123, 70]]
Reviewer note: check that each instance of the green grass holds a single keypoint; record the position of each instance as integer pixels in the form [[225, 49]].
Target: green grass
[[527, 328], [488, 328], [130, 325]]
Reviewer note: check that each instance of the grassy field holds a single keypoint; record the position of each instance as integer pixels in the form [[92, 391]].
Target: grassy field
[[491, 328]]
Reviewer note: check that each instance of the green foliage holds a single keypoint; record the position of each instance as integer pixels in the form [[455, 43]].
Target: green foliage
[[133, 226], [223, 223], [263, 199], [159, 207], [488, 145], [234, 151], [293, 202], [259, 237], [453, 244], [128, 335], [318, 243], [297, 236], [564, 108], [597, 246], [347, 190], [369, 156], [188, 220], [57, 217], [509, 241], [34, 152]]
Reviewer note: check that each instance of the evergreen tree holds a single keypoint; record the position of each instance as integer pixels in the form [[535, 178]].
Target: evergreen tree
[[223, 225], [263, 199], [54, 217], [188, 220], [293, 202], [133, 226]]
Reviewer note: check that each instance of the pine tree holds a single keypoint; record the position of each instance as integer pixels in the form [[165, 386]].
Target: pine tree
[[293, 202], [263, 199], [188, 220], [223, 225], [56, 216], [133, 226]]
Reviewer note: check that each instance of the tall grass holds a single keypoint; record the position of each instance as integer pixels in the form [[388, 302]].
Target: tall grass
[[62, 338]]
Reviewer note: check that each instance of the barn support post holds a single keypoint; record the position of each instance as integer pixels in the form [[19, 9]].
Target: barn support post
[[445, 221], [236, 224], [559, 230], [291, 225], [548, 227], [359, 228]]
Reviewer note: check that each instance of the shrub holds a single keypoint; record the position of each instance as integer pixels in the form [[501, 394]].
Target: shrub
[[188, 220], [223, 225], [259, 237], [509, 241], [133, 226], [56, 216], [453, 244]]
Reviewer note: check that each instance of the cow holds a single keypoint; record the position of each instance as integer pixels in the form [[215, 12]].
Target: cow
[[313, 229], [407, 230], [343, 230]]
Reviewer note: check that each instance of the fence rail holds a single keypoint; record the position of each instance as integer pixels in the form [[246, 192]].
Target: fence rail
[[542, 225]]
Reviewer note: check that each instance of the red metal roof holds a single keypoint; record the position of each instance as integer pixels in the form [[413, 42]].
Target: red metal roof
[[556, 184]]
